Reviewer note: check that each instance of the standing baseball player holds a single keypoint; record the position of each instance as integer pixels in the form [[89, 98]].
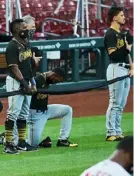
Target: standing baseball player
[[40, 111], [36, 56], [119, 164], [118, 46], [18, 58]]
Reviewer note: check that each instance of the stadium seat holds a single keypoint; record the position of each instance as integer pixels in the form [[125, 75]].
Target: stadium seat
[[92, 24], [101, 32], [93, 33], [3, 27], [2, 5], [128, 4], [47, 14], [67, 29], [39, 35], [47, 26], [55, 28]]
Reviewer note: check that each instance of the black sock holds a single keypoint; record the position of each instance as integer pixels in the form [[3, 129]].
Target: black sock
[[9, 125], [21, 125]]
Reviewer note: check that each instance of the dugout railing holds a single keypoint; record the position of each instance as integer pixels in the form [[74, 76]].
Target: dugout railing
[[96, 44]]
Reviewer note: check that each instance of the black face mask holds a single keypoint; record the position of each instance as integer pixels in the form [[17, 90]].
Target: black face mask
[[31, 33], [23, 34]]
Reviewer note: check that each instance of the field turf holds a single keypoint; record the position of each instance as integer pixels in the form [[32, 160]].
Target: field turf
[[88, 132]]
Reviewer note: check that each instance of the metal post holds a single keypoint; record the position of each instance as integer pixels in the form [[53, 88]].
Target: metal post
[[82, 12], [82, 18], [87, 17], [18, 9], [75, 66], [59, 6], [44, 62], [7, 15], [99, 10], [77, 17], [11, 10], [87, 25]]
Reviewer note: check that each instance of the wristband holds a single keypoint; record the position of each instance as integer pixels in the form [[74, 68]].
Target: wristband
[[24, 83], [33, 82]]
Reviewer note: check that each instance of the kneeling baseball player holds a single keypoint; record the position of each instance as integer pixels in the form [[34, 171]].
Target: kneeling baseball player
[[40, 112]]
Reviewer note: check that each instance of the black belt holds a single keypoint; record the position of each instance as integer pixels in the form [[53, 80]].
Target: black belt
[[124, 65]]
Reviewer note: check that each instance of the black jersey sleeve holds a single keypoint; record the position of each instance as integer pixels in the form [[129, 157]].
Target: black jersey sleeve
[[129, 38], [110, 41], [12, 54]]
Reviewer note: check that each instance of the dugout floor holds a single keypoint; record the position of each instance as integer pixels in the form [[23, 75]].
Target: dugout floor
[[90, 103]]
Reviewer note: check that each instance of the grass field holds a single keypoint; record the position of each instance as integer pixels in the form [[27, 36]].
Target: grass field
[[89, 133]]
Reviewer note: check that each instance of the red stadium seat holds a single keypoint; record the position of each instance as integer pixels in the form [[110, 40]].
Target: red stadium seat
[[92, 24], [47, 14], [2, 5], [128, 4], [39, 35], [93, 33], [47, 26], [129, 13], [102, 32], [55, 27], [3, 27], [48, 6], [67, 29]]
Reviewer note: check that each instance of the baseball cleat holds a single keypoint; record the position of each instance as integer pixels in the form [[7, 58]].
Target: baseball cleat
[[65, 143], [120, 137], [112, 138], [24, 146], [10, 149]]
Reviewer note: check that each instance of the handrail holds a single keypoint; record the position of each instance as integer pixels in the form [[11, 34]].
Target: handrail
[[52, 34], [57, 20]]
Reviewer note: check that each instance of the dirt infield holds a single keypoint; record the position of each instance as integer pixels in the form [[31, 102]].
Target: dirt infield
[[83, 104]]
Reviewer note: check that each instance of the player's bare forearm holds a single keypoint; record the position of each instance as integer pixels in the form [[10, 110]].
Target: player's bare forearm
[[130, 60], [16, 71], [131, 72]]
